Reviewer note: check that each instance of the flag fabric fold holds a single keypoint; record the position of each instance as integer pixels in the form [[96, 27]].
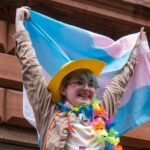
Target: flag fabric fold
[[56, 43]]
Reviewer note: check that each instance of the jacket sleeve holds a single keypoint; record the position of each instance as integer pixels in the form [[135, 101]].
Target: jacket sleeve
[[33, 78], [113, 93]]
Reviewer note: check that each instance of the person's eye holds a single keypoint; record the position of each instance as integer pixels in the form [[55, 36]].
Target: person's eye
[[91, 84], [79, 83]]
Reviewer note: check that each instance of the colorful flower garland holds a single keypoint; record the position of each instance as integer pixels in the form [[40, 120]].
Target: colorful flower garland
[[98, 119]]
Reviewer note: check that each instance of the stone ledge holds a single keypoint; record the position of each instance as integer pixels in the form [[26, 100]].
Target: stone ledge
[[139, 137], [10, 72], [7, 146], [14, 109], [18, 135]]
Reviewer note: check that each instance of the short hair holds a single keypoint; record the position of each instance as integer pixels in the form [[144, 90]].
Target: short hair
[[82, 74]]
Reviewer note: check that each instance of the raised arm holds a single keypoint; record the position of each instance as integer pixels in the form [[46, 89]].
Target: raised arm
[[33, 78], [113, 93]]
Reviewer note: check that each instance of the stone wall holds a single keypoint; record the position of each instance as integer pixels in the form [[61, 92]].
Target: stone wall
[[112, 18]]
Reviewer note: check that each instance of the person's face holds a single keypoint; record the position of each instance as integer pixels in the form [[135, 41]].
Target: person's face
[[79, 92]]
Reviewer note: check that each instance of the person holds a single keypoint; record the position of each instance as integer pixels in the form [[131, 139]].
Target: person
[[67, 112]]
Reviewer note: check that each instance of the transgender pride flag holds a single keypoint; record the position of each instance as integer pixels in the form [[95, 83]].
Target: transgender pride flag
[[56, 43]]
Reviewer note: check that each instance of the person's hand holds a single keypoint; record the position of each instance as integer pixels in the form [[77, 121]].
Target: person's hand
[[22, 14], [136, 50]]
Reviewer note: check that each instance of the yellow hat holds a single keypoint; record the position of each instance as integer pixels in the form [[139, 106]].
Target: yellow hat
[[94, 65]]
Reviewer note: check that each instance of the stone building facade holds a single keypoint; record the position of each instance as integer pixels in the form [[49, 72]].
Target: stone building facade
[[113, 18]]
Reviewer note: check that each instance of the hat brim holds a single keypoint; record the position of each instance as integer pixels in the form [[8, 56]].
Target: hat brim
[[95, 66]]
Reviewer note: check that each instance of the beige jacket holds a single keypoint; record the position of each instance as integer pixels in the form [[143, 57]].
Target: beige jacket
[[40, 97]]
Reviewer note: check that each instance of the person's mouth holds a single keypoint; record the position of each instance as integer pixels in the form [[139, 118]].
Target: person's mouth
[[85, 95]]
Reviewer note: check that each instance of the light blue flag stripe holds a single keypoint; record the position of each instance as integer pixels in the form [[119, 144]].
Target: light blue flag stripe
[[65, 40], [135, 112]]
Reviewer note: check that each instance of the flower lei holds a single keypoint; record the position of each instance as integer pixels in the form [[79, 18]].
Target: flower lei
[[102, 128]]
